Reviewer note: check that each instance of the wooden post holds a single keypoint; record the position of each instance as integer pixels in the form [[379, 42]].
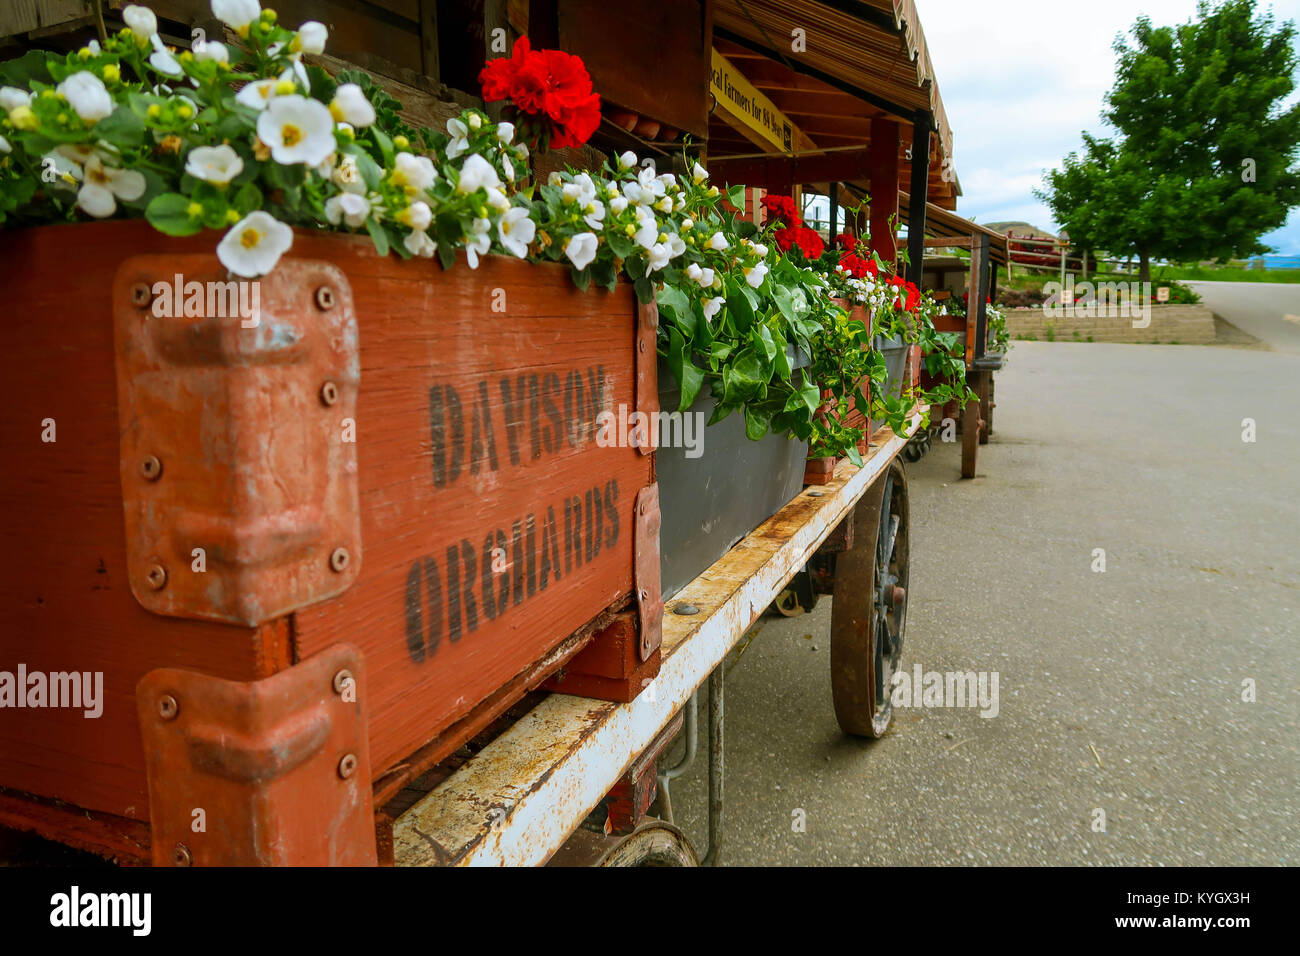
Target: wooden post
[[834, 211], [920, 184], [429, 40], [882, 157]]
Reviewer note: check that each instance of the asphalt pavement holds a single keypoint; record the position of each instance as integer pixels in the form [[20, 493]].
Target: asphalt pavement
[[1270, 311], [1120, 691]]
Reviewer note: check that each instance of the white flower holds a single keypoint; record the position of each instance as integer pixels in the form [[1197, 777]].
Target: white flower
[[497, 200], [505, 132], [657, 256], [618, 204], [347, 175], [65, 162], [211, 50], [141, 21], [704, 277], [161, 59], [236, 13], [712, 306], [676, 245], [754, 275], [459, 134], [717, 242], [627, 160], [581, 249], [417, 215], [254, 245], [648, 232], [256, 94], [554, 179], [418, 243], [509, 167], [105, 185], [417, 172], [87, 95], [594, 213], [699, 174], [11, 98], [348, 207], [214, 164], [478, 242], [759, 249], [477, 173], [665, 204], [312, 37], [351, 106], [4, 146], [297, 129], [516, 231], [688, 223]]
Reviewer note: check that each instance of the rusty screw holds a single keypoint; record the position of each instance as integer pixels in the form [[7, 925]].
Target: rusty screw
[[897, 596], [324, 298], [342, 679], [181, 856], [640, 345], [157, 577], [141, 294], [348, 765], [339, 559], [151, 468], [685, 610], [167, 707], [329, 393]]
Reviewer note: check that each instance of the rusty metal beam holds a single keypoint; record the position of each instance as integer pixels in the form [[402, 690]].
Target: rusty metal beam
[[517, 801]]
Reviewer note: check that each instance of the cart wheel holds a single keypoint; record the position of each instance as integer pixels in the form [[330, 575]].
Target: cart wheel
[[788, 603], [653, 843], [868, 614], [986, 406], [987, 412], [918, 446]]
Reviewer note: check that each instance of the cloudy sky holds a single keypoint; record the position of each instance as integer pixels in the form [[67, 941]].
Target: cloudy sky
[[1021, 78]]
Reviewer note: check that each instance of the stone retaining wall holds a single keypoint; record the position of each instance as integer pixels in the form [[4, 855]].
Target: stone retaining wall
[[1170, 324]]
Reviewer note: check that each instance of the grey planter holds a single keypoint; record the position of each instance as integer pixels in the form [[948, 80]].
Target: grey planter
[[895, 352], [710, 502]]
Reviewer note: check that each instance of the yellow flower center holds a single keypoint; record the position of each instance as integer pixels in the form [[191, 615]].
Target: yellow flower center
[[97, 174], [249, 238], [290, 135]]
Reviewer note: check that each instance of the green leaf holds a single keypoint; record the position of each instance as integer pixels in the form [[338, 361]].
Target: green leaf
[[377, 235], [21, 71], [385, 145], [247, 198], [739, 307], [169, 214], [757, 421], [736, 196], [122, 128]]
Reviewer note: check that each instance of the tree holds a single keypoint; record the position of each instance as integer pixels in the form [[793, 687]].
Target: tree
[[1204, 161]]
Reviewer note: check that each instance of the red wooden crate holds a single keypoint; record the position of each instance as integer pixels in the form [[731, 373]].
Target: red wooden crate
[[472, 399]]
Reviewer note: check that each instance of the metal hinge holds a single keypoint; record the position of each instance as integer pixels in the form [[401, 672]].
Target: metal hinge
[[238, 436], [649, 595]]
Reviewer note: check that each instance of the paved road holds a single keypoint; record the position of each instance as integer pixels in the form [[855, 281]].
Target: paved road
[[1119, 691], [1270, 311]]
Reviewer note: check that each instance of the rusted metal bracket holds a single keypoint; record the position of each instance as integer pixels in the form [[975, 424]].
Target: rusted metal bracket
[[273, 772], [238, 444], [647, 372], [649, 594]]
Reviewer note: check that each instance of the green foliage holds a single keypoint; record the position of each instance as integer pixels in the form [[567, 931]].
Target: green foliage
[[1204, 160]]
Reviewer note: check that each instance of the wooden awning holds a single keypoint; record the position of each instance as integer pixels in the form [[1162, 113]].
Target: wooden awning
[[946, 224], [854, 61]]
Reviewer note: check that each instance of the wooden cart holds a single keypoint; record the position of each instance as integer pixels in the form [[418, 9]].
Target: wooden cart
[[977, 279]]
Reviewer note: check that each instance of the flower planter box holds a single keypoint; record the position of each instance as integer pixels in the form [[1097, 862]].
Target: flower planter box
[[712, 501], [820, 471], [395, 460]]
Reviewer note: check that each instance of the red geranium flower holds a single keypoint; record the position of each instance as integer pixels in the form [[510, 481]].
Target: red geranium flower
[[549, 87], [782, 208]]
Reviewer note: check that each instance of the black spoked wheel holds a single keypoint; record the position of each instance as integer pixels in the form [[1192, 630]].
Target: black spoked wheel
[[868, 617]]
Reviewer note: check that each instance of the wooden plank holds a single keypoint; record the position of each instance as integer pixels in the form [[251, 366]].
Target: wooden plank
[[883, 176], [660, 69], [23, 16]]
